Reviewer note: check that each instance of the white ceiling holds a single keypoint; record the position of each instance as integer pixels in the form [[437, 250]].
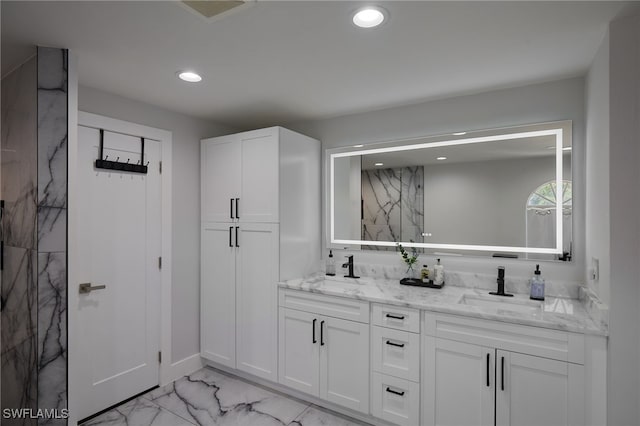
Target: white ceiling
[[278, 62]]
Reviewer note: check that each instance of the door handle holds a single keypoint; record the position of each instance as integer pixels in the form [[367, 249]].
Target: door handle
[[488, 360], [321, 333], [85, 288], [237, 242], [230, 238], [314, 330], [237, 208], [231, 208], [502, 376]]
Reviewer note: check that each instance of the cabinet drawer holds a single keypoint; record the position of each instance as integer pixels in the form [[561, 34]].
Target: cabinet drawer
[[554, 344], [396, 317], [395, 400], [396, 353], [337, 307]]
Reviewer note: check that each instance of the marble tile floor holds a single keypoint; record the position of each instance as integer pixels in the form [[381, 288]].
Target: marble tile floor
[[209, 397]]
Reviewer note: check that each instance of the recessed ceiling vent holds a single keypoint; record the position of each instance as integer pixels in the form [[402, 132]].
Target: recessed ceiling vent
[[215, 9]]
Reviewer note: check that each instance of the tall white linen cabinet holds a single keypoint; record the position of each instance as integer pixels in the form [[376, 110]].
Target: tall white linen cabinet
[[260, 200]]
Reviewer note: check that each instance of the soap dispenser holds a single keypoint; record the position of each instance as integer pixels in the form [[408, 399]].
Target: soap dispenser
[[537, 285], [438, 274], [330, 268]]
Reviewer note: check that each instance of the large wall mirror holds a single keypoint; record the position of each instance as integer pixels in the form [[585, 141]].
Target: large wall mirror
[[502, 192]]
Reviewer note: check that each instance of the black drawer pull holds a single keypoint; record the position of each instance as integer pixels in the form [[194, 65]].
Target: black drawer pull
[[321, 333], [398, 317], [395, 392], [237, 242], [237, 208], [230, 242], [231, 208], [399, 345]]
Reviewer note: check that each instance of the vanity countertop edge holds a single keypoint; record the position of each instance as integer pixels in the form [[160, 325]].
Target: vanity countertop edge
[[559, 313]]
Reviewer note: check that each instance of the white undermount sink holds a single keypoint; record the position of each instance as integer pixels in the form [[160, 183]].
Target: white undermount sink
[[501, 303]]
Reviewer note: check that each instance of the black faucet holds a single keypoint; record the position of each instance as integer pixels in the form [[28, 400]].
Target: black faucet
[[349, 265], [500, 280]]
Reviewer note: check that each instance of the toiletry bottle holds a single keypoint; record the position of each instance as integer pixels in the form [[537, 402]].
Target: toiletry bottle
[[438, 274], [424, 274], [331, 265], [537, 285]]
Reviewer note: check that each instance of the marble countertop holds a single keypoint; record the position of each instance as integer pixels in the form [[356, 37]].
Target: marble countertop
[[554, 313]]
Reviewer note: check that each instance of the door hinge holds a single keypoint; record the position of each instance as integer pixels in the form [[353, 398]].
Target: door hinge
[[159, 357], [160, 166], [160, 263]]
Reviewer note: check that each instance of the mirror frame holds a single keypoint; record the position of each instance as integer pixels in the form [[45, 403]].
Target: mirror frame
[[562, 130]]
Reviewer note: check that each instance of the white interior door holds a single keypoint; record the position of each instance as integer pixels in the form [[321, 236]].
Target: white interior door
[[119, 244]]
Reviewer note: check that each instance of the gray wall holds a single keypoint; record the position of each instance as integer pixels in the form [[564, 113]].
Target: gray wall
[[187, 132], [597, 173], [537, 103], [624, 192]]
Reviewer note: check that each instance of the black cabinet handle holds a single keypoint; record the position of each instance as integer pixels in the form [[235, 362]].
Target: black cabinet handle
[[231, 208], [399, 345], [396, 392], [237, 242], [502, 378], [488, 361], [398, 317], [230, 230], [321, 333], [237, 208], [314, 330]]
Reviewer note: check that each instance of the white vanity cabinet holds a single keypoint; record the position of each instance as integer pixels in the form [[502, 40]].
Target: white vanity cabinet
[[324, 347], [260, 224], [485, 372]]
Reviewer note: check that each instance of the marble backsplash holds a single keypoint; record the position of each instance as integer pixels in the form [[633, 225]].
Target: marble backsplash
[[598, 311]]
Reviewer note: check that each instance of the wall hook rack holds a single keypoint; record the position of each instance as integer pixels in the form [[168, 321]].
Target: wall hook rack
[[117, 165]]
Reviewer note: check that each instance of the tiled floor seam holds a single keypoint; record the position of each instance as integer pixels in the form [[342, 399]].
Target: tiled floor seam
[[167, 409]]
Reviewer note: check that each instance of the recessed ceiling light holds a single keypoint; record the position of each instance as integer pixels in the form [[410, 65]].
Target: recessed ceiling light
[[441, 158], [189, 76], [460, 133], [358, 146], [369, 17], [379, 164]]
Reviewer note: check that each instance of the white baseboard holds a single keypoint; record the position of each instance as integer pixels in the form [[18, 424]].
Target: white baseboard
[[182, 368]]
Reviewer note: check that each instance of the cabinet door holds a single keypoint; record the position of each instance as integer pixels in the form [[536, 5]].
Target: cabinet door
[[344, 363], [220, 178], [257, 299], [218, 294], [458, 383], [537, 391], [299, 341], [260, 176]]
